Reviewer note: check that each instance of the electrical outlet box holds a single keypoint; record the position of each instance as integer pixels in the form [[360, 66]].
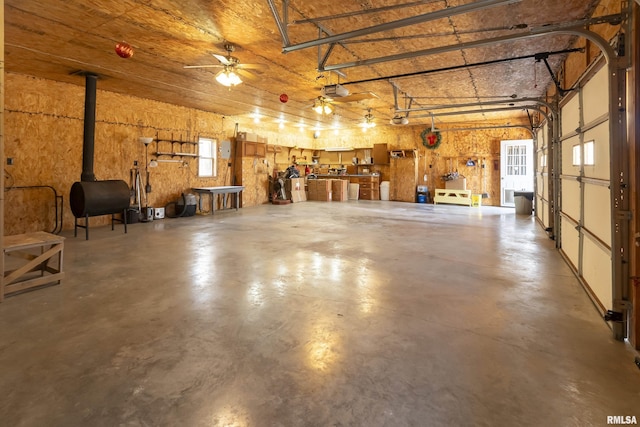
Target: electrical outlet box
[[10, 161]]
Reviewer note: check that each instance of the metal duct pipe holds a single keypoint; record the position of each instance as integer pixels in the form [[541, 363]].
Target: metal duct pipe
[[88, 141]]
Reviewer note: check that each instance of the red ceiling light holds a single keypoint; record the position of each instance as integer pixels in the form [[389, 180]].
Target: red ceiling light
[[124, 50], [284, 98]]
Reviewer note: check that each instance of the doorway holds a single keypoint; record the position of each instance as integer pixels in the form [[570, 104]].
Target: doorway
[[516, 169]]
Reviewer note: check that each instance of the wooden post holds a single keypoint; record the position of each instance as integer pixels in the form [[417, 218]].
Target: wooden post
[[2, 146], [634, 142]]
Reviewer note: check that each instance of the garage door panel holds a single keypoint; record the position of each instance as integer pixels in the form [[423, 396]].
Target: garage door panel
[[567, 156], [600, 136], [570, 116], [597, 214], [597, 271], [571, 198], [594, 92], [570, 241], [540, 185], [543, 212]]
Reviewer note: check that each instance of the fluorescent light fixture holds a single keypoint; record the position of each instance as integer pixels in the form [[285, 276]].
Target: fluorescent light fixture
[[338, 149], [228, 77]]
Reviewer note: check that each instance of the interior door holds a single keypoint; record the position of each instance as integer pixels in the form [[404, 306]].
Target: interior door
[[516, 169]]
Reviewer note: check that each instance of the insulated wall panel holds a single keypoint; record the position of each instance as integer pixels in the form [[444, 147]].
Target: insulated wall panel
[[594, 96], [568, 168], [570, 116], [570, 242], [571, 202], [600, 137], [597, 214], [596, 271]]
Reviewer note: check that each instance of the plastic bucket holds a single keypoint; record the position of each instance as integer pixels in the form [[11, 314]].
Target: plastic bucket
[[422, 198]]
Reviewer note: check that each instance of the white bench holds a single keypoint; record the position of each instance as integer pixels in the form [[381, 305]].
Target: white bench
[[43, 254], [456, 197]]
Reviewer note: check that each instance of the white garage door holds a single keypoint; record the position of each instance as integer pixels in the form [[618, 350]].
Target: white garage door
[[585, 197], [543, 195]]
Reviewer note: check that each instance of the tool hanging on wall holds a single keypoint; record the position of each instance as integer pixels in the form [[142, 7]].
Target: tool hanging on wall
[[483, 166], [136, 188]]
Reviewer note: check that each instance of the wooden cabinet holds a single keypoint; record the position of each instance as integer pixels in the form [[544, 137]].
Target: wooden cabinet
[[380, 154], [253, 149], [369, 186]]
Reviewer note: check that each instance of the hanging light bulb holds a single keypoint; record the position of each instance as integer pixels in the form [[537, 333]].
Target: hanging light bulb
[[320, 106], [368, 121]]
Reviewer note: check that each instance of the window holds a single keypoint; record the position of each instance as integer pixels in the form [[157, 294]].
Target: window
[[589, 154], [517, 160], [576, 155], [207, 151], [589, 159]]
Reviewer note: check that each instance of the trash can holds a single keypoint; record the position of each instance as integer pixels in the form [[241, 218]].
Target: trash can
[[353, 191], [384, 190], [524, 202], [422, 194]]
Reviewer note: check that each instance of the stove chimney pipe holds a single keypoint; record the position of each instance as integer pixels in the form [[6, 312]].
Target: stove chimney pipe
[[89, 127]]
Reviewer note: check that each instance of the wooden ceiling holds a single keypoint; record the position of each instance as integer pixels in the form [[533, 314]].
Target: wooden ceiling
[[54, 40]]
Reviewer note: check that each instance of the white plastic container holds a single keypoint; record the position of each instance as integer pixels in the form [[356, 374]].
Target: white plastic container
[[384, 190], [354, 190]]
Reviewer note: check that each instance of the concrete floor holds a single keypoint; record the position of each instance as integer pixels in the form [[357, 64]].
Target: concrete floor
[[314, 314]]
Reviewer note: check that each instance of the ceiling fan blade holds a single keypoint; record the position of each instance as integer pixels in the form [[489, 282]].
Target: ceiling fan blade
[[223, 59], [361, 96], [259, 68], [204, 66], [245, 74]]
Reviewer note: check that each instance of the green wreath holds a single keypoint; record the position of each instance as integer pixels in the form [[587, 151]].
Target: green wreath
[[431, 139]]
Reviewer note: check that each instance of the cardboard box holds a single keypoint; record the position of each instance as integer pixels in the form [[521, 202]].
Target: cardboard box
[[319, 189], [323, 197], [339, 190], [294, 184], [323, 185]]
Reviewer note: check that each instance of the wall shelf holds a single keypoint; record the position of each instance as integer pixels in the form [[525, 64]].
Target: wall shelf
[[176, 148]]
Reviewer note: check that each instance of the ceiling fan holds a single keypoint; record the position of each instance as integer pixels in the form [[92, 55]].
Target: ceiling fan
[[232, 69], [337, 94]]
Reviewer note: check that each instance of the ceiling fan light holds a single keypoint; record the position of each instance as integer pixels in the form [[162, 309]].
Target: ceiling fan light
[[399, 120], [322, 107], [228, 78]]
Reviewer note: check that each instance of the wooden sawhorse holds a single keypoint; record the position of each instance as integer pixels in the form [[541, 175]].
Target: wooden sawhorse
[[40, 268]]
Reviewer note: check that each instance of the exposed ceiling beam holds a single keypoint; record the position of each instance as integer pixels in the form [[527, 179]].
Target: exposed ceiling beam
[[507, 102], [483, 111], [413, 20], [281, 23], [456, 67], [574, 28], [489, 128]]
